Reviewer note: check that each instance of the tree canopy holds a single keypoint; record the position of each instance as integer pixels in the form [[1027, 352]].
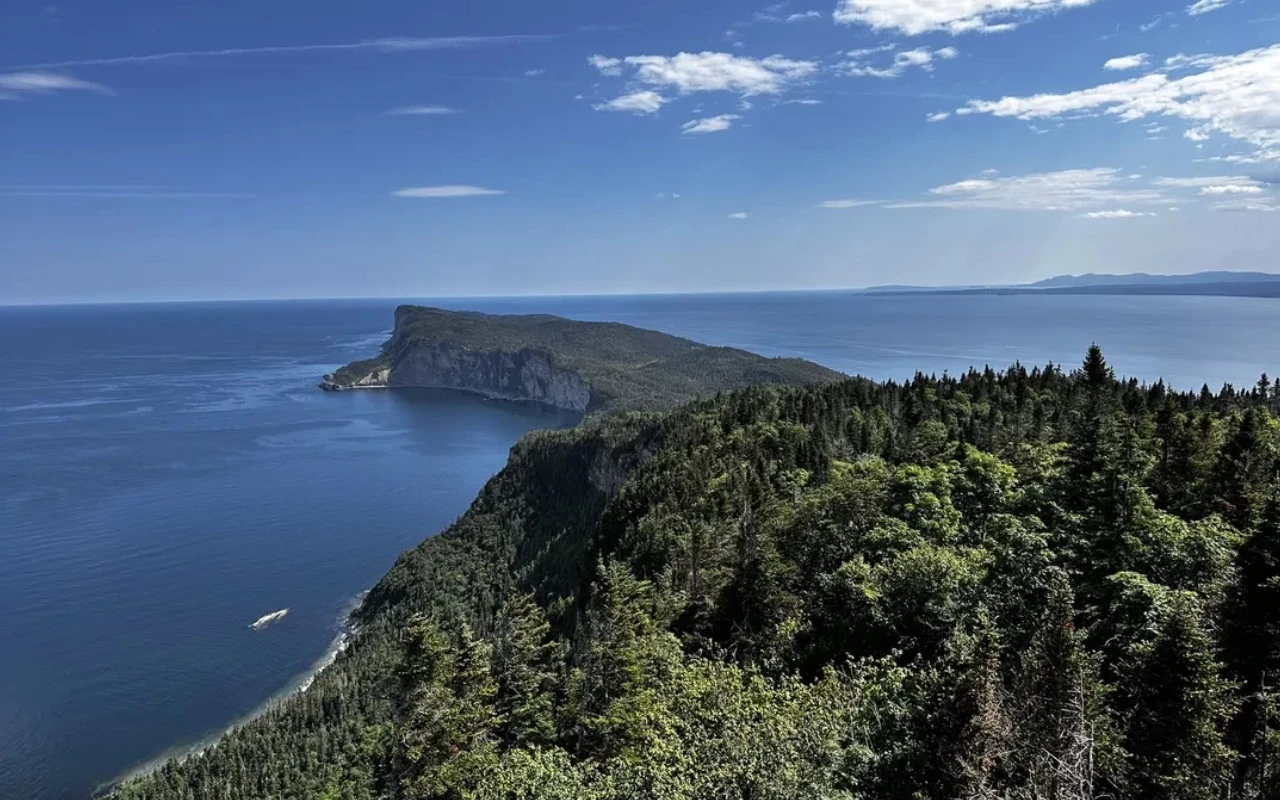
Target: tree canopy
[[1034, 584]]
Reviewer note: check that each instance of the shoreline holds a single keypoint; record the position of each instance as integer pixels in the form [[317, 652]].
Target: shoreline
[[296, 685], [334, 387]]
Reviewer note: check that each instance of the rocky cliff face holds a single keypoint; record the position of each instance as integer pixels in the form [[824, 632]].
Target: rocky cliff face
[[527, 375]]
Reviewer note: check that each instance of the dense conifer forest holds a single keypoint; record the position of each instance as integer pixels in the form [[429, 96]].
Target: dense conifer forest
[[1035, 585]]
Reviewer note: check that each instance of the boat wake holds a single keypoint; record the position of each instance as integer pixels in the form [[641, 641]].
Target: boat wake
[[267, 619], [300, 683]]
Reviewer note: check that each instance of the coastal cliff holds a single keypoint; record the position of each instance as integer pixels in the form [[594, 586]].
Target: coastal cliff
[[576, 366], [527, 375]]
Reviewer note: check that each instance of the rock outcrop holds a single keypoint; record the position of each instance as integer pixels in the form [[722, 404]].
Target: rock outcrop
[[409, 360], [527, 375], [579, 366], [377, 379]]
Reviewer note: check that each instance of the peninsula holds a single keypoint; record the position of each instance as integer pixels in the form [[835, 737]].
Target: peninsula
[[1022, 584], [577, 366]]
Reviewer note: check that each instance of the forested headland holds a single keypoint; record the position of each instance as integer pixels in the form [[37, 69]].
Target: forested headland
[[587, 367], [1032, 584]]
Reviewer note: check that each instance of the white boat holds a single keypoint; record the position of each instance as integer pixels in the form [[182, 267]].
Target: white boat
[[267, 619]]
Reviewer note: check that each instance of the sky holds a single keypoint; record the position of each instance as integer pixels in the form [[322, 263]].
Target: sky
[[152, 150]]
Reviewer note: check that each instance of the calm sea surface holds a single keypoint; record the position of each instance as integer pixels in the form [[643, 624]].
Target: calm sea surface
[[169, 473]]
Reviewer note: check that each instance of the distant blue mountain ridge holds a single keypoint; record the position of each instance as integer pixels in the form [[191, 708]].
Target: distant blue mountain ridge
[[1214, 282]]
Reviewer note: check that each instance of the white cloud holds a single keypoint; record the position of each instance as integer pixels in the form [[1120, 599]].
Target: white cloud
[[710, 124], [1237, 96], [607, 66], [914, 17], [14, 85], [1119, 213], [739, 215], [1246, 206], [870, 51], [710, 72], [771, 13], [1232, 188], [642, 102], [1066, 190], [776, 13], [446, 191], [920, 57], [426, 111], [389, 45], [807, 101], [1127, 62], [846, 203], [416, 43], [1154, 22], [938, 117], [533, 73], [1216, 185], [1205, 6], [668, 195], [1259, 157]]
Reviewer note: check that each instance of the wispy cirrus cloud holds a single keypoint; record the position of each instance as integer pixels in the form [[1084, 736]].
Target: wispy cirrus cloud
[[914, 17], [1247, 205], [1118, 213], [445, 192], [399, 44], [843, 204], [1078, 190], [710, 124], [422, 111], [1205, 6], [14, 85], [1097, 193], [1216, 185], [642, 102], [778, 13], [919, 58]]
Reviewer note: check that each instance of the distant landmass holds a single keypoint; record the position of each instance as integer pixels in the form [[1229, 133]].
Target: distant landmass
[[578, 366], [1210, 278], [1216, 282]]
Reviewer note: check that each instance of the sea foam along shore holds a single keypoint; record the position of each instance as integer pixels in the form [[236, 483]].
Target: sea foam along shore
[[299, 683]]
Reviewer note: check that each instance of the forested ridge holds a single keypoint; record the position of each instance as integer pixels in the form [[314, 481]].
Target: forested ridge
[[1034, 584], [627, 368]]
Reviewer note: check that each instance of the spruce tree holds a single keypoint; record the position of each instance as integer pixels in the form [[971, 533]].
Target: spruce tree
[[525, 673]]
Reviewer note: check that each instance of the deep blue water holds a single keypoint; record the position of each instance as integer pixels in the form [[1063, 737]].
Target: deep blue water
[[169, 473]]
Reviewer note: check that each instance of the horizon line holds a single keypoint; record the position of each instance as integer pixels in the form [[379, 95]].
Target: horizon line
[[409, 297]]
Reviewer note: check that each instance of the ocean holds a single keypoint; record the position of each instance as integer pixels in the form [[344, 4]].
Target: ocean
[[169, 474]]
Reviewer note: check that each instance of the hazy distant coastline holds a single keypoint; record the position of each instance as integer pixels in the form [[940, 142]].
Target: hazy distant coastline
[[1213, 283]]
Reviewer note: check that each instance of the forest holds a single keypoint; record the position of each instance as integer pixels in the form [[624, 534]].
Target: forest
[[626, 368], [1036, 584]]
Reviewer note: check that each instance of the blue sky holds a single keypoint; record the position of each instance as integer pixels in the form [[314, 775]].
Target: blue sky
[[160, 150]]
